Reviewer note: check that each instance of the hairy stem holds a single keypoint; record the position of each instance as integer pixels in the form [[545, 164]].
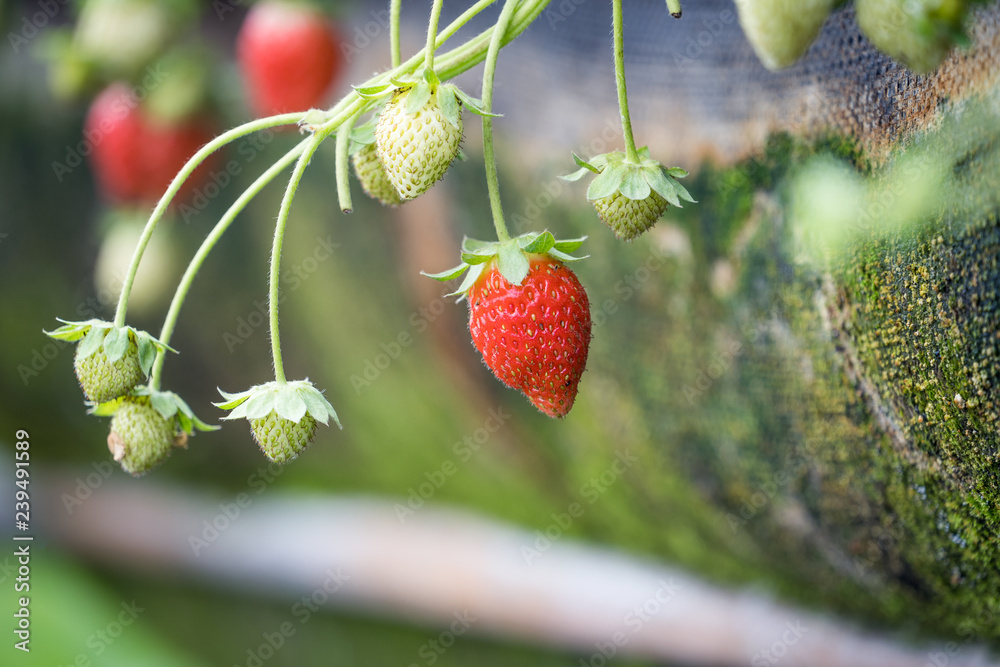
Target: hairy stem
[[175, 186], [279, 236], [394, 11], [489, 152], [206, 247], [432, 28], [630, 151], [343, 160]]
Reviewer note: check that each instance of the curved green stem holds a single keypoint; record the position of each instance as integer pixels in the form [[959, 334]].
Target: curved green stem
[[394, 11], [175, 186], [489, 153], [633, 155], [279, 236], [206, 247], [674, 7], [432, 28], [343, 159]]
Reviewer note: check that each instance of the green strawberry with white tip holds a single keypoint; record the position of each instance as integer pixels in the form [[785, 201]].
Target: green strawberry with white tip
[[918, 33], [780, 31], [110, 360], [146, 426], [629, 195], [371, 174], [282, 415]]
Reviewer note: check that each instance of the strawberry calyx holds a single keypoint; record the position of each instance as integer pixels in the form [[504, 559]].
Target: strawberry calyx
[[513, 257], [167, 403], [289, 400], [420, 88], [635, 180]]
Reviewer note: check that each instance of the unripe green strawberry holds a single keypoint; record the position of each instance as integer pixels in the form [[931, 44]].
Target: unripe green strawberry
[[371, 174], [780, 31], [282, 439], [140, 438], [918, 33], [416, 149], [102, 380], [629, 218]]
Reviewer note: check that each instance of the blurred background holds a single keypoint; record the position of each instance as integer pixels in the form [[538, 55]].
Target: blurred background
[[784, 448]]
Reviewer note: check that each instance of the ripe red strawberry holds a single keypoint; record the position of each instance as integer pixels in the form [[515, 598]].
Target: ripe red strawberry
[[534, 337], [289, 57], [134, 155]]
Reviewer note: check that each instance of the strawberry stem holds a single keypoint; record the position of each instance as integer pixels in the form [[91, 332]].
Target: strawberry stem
[[394, 11], [175, 186], [343, 158], [279, 236], [674, 7], [489, 153], [432, 28], [206, 247], [630, 151]]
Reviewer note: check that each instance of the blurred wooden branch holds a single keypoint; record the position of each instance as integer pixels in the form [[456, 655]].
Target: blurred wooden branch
[[439, 563]]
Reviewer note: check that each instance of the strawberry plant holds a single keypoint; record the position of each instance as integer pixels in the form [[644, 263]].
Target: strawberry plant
[[401, 130]]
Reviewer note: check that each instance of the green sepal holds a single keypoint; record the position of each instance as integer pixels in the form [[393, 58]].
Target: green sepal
[[116, 343], [289, 400], [450, 108], [375, 92], [470, 279], [579, 173], [537, 243], [417, 98], [167, 403], [664, 185], [450, 274], [431, 77], [474, 105], [92, 342], [513, 262], [74, 331], [634, 185], [568, 245], [565, 257], [607, 182], [677, 172]]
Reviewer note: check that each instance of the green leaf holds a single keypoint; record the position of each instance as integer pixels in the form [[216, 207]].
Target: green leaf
[[450, 274], [513, 263], [449, 106], [607, 183], [634, 185], [541, 244], [91, 342], [417, 98], [568, 245], [116, 344], [664, 186]]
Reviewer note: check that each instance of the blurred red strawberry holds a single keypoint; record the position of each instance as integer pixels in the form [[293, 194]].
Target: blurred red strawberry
[[135, 155], [288, 54]]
